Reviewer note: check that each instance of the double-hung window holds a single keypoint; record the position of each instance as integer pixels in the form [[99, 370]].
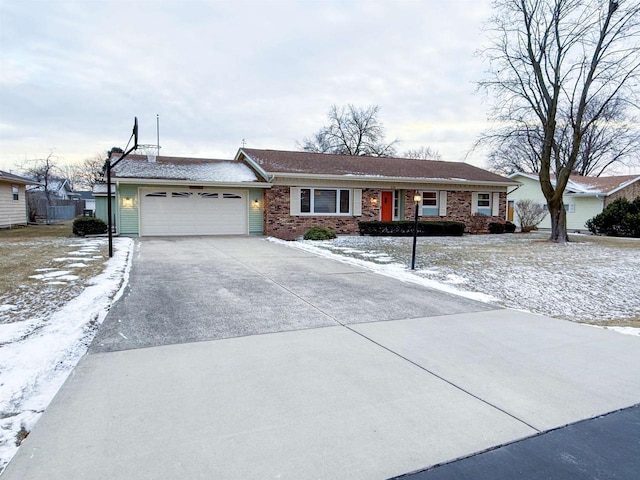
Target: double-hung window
[[484, 204], [325, 201], [15, 191], [429, 203]]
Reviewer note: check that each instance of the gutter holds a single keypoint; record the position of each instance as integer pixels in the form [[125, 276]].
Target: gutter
[[381, 179], [185, 182]]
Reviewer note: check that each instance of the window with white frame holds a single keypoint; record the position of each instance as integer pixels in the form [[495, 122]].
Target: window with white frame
[[15, 192], [325, 201], [429, 203], [484, 204], [570, 207]]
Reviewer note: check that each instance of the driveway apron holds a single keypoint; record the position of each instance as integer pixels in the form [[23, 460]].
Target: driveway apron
[[240, 358]]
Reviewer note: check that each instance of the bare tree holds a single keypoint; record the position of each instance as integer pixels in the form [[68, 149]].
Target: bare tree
[[351, 131], [530, 214], [612, 141], [42, 170], [556, 68], [423, 153], [90, 171]]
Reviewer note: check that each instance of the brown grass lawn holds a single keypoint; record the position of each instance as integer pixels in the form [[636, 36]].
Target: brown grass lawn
[[44, 250]]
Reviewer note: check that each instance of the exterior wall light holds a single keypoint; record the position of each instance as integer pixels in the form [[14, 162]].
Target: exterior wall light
[[374, 201], [127, 202], [256, 203]]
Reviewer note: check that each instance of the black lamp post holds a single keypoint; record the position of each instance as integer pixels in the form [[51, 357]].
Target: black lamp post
[[108, 166], [416, 198]]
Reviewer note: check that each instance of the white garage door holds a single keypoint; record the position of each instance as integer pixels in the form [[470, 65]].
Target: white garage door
[[192, 212]]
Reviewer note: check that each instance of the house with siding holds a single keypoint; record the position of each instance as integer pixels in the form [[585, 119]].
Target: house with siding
[[584, 197], [282, 193], [13, 199]]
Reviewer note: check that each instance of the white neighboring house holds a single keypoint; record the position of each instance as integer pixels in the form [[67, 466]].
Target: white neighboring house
[[584, 197], [13, 199], [59, 188]]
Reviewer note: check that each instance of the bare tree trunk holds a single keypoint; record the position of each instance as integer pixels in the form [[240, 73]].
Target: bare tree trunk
[[558, 222]]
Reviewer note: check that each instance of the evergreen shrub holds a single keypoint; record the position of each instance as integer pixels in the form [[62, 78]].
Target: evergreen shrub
[[496, 227], [404, 228], [621, 218], [319, 233], [88, 226]]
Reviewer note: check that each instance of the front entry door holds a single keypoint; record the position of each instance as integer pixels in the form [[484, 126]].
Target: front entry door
[[386, 212]]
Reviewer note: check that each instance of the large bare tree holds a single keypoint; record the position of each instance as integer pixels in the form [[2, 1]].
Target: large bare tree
[[90, 171], [556, 68], [423, 153], [43, 170], [611, 142], [351, 131]]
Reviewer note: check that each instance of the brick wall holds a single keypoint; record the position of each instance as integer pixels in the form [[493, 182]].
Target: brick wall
[[630, 192], [458, 208], [280, 224]]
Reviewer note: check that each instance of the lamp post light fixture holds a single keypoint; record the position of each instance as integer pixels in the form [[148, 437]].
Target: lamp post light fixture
[[416, 198]]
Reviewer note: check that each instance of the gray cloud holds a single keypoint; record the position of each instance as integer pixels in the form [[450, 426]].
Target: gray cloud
[[74, 73]]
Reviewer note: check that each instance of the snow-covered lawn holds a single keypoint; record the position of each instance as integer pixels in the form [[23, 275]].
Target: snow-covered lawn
[[47, 321], [592, 279]]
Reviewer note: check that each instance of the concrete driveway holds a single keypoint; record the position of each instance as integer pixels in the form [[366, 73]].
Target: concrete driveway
[[238, 358]]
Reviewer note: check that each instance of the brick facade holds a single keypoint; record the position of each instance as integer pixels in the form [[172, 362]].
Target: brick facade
[[279, 223], [630, 192], [458, 208]]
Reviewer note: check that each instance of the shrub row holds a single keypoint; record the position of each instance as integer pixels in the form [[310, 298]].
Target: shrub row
[[88, 226], [404, 228], [621, 218], [497, 227]]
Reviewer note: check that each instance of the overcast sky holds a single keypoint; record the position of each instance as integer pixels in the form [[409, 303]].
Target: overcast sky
[[75, 73]]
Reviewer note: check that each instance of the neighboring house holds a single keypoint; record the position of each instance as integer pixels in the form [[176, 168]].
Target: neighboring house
[[13, 199], [59, 189], [282, 194], [87, 200], [584, 197], [61, 204]]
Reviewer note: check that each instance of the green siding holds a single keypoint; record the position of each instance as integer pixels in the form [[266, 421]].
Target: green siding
[[128, 216], [256, 213], [584, 207], [101, 208]]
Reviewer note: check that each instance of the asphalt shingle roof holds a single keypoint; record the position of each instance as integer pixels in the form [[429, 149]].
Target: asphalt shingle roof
[[277, 161]]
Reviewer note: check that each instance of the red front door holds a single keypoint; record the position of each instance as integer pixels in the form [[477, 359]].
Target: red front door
[[386, 212]]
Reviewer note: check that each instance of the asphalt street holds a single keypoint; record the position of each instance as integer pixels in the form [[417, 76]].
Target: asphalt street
[[239, 358]]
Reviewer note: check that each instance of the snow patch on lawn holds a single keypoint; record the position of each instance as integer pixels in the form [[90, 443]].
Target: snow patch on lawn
[[394, 270], [590, 281], [37, 355]]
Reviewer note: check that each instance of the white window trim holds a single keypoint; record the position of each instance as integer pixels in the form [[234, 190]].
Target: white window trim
[[15, 193], [436, 206], [312, 202], [476, 198]]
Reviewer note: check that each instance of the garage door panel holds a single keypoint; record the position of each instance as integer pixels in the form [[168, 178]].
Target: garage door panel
[[182, 212]]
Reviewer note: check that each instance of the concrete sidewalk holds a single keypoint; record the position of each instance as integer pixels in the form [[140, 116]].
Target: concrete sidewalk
[[261, 361]]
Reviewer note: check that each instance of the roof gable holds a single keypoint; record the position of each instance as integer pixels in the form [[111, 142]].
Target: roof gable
[[589, 185], [278, 162], [13, 178]]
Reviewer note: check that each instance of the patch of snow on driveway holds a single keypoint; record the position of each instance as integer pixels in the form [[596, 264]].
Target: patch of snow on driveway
[[42, 352]]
